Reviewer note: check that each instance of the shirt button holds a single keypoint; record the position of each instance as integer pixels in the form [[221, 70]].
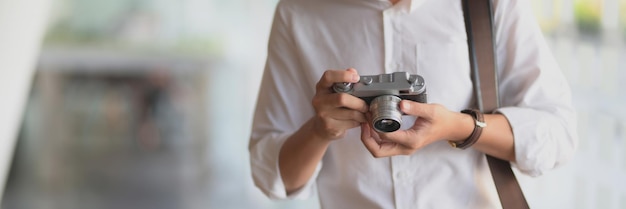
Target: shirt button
[[401, 175]]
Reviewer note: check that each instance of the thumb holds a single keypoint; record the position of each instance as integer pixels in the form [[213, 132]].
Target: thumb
[[416, 109]]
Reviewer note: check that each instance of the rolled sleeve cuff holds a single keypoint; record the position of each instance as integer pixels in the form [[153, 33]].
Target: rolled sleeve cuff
[[539, 139], [266, 171], [303, 193]]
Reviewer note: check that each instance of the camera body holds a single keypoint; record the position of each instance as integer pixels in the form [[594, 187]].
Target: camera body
[[383, 93]]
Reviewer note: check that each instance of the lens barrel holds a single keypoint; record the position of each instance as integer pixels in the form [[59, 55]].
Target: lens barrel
[[386, 115]]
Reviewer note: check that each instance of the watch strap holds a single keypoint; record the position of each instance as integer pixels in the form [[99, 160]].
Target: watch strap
[[479, 124]]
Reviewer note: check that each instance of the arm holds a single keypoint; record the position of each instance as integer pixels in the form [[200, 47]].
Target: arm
[[283, 107], [535, 128], [436, 123], [496, 139], [289, 134], [299, 157], [335, 113], [536, 98]]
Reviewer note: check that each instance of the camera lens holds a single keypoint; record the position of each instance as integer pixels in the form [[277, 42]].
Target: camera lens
[[386, 116], [386, 125]]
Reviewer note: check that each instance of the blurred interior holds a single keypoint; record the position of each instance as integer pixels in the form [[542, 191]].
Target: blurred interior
[[148, 104]]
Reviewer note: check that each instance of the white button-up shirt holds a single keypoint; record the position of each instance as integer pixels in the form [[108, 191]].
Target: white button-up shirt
[[425, 37]]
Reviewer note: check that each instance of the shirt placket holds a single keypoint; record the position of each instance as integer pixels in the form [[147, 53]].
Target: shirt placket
[[403, 180], [402, 176], [388, 38], [392, 63]]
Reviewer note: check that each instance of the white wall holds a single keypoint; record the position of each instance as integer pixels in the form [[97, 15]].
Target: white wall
[[22, 25]]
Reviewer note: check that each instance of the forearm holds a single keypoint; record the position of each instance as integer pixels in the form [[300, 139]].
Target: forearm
[[299, 157], [496, 139]]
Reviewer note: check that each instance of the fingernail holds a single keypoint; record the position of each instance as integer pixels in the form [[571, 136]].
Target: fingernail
[[356, 78], [405, 106]]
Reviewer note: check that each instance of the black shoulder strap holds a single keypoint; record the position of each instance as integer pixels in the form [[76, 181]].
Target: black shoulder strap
[[479, 27]]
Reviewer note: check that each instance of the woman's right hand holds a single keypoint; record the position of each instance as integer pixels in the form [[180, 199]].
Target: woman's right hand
[[337, 112]]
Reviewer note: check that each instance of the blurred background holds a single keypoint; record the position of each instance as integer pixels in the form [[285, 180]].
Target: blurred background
[[148, 104]]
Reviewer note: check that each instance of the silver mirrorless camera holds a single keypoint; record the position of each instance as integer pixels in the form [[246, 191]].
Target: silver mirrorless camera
[[383, 93]]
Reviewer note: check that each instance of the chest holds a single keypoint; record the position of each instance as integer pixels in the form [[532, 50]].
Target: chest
[[430, 41]]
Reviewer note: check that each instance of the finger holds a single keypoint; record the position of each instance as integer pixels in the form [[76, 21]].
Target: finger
[[335, 128], [370, 143], [417, 109], [341, 124], [376, 148], [347, 114], [341, 100], [374, 133], [399, 136], [365, 131], [331, 77], [407, 138]]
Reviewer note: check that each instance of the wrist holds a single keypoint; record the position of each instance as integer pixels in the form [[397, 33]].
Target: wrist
[[479, 124], [312, 130], [463, 127]]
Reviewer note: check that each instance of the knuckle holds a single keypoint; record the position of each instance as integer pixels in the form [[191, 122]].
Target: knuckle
[[341, 98], [322, 115], [337, 134], [415, 146], [326, 73], [316, 101], [346, 76], [356, 115], [382, 155], [325, 115], [327, 76], [319, 85], [334, 133], [327, 126], [407, 152], [377, 155]]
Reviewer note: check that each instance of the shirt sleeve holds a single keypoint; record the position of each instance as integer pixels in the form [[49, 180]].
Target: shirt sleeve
[[535, 96], [283, 106]]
